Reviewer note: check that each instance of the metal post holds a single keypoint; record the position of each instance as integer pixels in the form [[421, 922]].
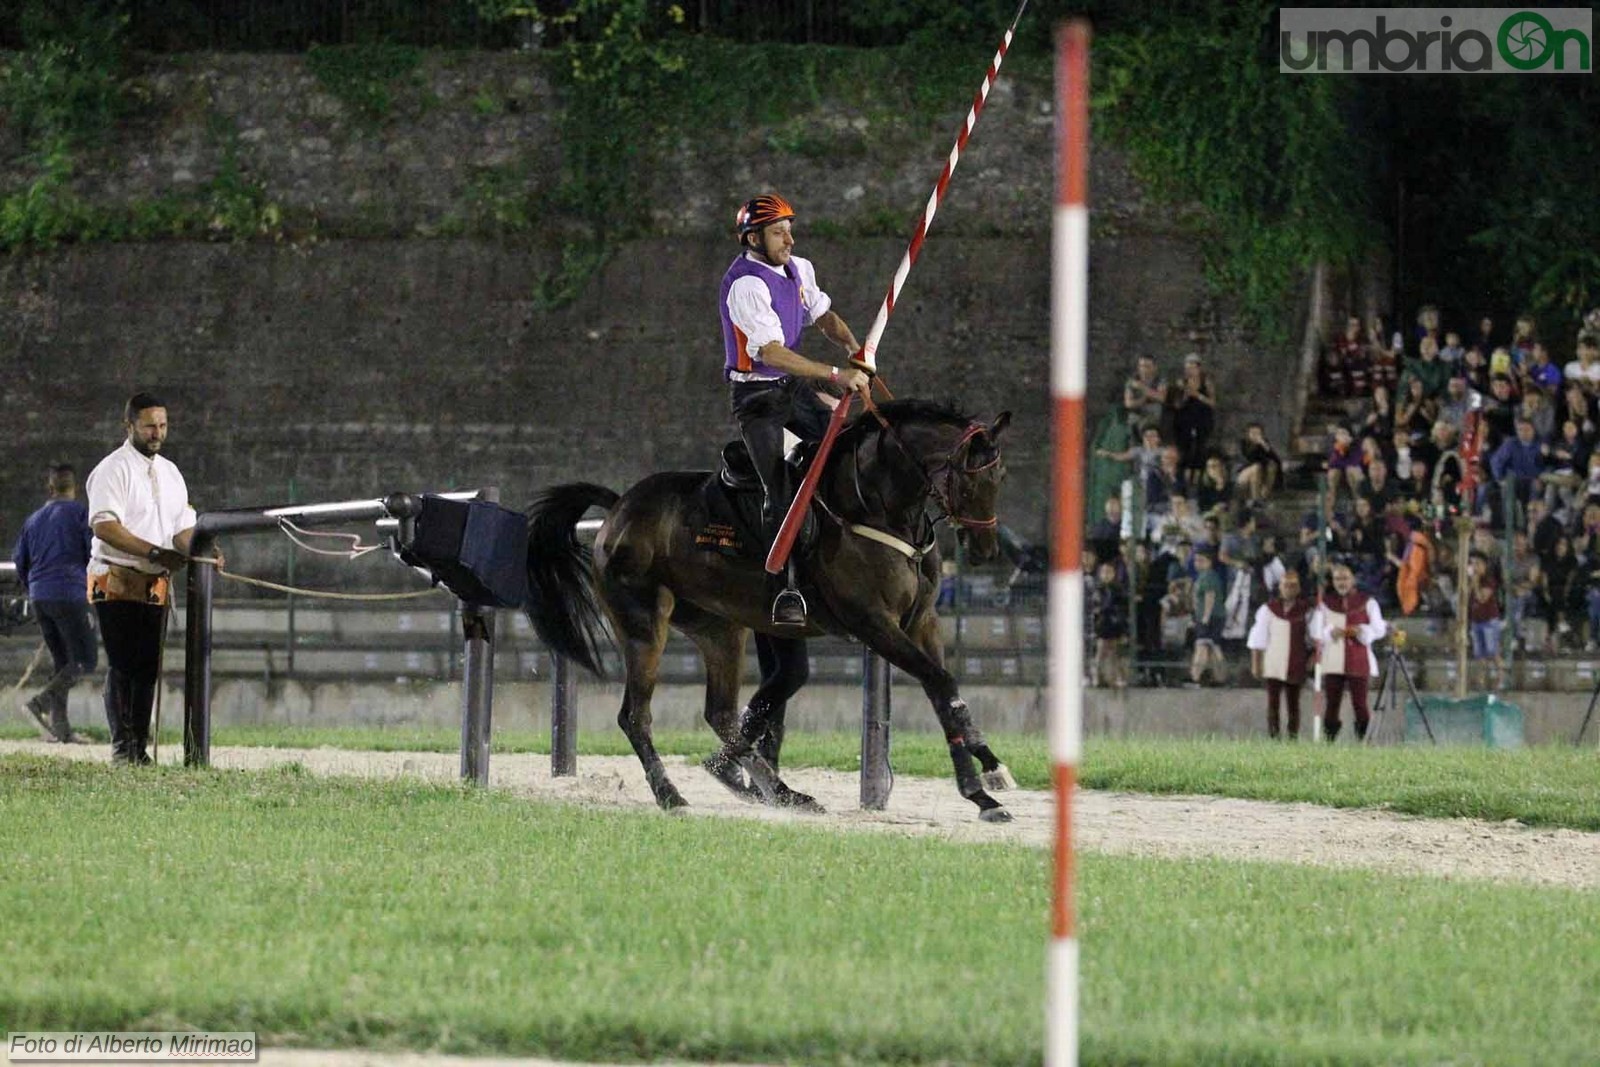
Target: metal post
[[291, 636], [877, 779], [563, 720], [477, 691], [202, 583], [477, 682]]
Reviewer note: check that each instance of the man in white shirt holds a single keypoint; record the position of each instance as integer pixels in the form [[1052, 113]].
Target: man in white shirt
[[769, 295], [143, 524]]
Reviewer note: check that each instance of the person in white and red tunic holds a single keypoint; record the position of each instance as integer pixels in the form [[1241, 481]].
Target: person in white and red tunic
[[1279, 651], [1345, 626]]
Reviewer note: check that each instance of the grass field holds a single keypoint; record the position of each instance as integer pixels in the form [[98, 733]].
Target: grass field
[[1546, 786], [334, 912]]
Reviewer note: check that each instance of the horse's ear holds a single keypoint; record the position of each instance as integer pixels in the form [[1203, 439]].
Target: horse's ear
[[999, 424]]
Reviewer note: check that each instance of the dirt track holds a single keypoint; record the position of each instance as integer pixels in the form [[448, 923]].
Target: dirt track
[[1106, 822]]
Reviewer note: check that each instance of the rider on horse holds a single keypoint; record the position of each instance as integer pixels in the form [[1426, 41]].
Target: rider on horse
[[768, 296]]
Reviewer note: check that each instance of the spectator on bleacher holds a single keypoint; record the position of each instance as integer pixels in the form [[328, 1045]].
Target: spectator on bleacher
[[1413, 566], [1303, 555], [1159, 485], [1499, 413], [1377, 415], [1452, 351], [1399, 456], [1362, 534], [1150, 577], [1417, 411], [1210, 611], [1456, 402], [1483, 616], [1109, 618], [1261, 468], [1371, 451], [1520, 458], [1567, 464], [1181, 524], [1344, 366], [1537, 409], [1475, 369], [1427, 368], [1344, 466], [1589, 576], [1270, 568], [1585, 370], [1543, 529], [1427, 328], [1532, 627], [1579, 406], [1383, 353], [1105, 535], [1524, 335], [1378, 489], [1215, 492], [1518, 581], [1177, 617], [1561, 573], [1483, 340], [1194, 401], [1501, 363], [1144, 396], [1241, 545], [1539, 374]]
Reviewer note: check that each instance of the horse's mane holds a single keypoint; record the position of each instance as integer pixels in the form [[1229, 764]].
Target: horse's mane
[[901, 412]]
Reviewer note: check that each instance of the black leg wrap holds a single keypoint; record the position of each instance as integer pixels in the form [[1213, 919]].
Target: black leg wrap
[[966, 773]]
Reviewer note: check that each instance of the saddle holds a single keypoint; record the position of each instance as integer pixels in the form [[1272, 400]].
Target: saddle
[[730, 511]]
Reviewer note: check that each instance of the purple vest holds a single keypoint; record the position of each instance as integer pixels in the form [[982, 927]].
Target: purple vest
[[785, 292]]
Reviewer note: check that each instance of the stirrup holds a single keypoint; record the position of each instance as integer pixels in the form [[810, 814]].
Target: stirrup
[[789, 608]]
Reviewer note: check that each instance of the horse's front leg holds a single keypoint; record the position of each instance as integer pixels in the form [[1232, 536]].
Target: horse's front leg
[[921, 655]]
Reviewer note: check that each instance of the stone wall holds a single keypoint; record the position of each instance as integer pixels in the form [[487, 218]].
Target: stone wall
[[351, 366]]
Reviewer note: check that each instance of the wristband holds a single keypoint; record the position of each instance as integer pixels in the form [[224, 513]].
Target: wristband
[[833, 374]]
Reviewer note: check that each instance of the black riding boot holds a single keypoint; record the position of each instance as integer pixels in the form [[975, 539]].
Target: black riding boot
[[116, 699], [141, 698]]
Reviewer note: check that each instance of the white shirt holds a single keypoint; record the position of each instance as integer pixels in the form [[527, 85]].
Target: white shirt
[[750, 308], [147, 495], [1372, 630]]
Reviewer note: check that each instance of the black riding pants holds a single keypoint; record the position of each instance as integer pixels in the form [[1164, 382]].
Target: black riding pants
[[132, 633], [764, 410]]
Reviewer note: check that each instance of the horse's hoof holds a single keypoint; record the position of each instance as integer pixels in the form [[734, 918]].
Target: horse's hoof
[[730, 774], [995, 815], [801, 802], [672, 801], [999, 779]]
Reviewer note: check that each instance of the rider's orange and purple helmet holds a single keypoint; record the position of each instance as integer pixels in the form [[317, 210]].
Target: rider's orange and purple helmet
[[762, 211]]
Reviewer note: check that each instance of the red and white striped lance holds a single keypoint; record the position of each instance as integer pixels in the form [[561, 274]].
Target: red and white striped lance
[[867, 358], [783, 544], [1069, 329]]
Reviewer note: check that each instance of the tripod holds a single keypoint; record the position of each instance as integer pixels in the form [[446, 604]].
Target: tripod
[[1389, 694], [1577, 738]]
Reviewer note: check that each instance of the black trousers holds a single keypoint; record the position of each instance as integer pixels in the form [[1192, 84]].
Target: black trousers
[[64, 624], [132, 633], [764, 410]]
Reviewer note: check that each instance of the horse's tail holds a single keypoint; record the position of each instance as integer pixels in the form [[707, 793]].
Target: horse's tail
[[562, 604]]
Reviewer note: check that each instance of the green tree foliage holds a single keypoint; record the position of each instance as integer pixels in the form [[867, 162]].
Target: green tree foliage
[[1208, 119]]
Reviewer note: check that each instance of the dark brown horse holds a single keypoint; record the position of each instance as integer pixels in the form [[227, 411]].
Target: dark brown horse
[[871, 571]]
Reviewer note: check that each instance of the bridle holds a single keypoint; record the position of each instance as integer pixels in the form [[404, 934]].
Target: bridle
[[939, 481], [942, 482]]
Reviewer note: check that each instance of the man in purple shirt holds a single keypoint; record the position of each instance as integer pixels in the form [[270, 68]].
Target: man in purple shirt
[[52, 558], [769, 295]]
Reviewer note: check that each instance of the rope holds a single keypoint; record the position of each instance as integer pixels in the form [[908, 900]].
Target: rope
[[355, 551], [326, 594], [27, 672]]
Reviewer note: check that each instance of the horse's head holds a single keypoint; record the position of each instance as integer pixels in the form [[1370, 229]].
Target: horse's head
[[966, 484]]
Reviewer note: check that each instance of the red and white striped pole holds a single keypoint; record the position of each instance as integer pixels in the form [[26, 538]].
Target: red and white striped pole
[[1069, 330], [867, 358]]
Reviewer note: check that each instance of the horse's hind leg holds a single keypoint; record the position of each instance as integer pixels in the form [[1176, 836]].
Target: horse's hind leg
[[721, 645], [639, 617], [759, 732]]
